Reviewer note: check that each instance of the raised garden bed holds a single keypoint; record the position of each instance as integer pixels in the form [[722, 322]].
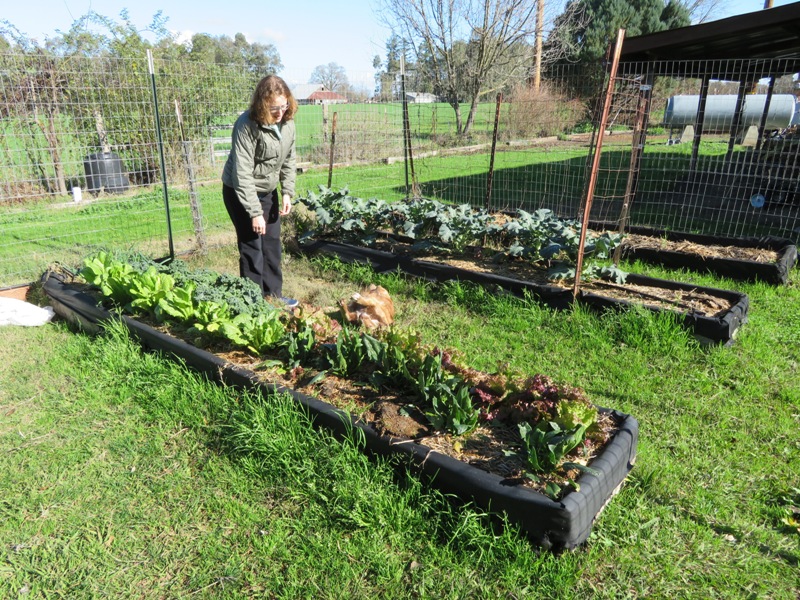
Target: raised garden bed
[[766, 259], [555, 524], [712, 315]]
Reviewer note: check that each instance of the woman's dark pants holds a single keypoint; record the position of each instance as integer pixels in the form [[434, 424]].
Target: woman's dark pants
[[259, 255]]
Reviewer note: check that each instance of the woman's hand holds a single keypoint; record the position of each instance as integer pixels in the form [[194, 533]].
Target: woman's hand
[[287, 204], [259, 225]]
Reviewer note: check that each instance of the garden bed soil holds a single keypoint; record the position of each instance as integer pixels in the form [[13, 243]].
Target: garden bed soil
[[478, 470], [766, 259], [713, 315]]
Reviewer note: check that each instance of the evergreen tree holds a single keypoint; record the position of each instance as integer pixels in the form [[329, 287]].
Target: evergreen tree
[[606, 17], [387, 74]]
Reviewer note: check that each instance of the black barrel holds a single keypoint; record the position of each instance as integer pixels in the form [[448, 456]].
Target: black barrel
[[104, 170]]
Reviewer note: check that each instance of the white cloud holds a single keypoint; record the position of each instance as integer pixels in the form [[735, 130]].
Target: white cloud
[[267, 35], [182, 37]]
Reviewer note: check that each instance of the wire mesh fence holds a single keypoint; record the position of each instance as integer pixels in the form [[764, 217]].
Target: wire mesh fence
[[720, 153], [85, 163]]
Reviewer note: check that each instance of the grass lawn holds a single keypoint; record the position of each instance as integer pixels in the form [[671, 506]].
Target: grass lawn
[[126, 475]]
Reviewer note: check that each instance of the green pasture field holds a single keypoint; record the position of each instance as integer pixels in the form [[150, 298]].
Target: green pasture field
[[126, 475]]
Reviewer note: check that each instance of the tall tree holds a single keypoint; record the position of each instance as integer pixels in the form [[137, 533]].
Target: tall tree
[[386, 76], [460, 42], [222, 50], [332, 76], [603, 18]]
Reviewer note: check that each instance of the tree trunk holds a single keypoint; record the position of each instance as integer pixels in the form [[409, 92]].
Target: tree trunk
[[102, 135], [459, 120], [52, 135], [473, 110], [55, 153], [57, 183]]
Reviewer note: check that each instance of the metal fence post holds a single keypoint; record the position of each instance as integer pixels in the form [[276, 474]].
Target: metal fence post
[[490, 176], [152, 70], [333, 144]]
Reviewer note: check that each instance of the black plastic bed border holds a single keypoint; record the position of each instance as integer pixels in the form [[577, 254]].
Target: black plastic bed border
[[776, 273], [554, 525], [718, 329]]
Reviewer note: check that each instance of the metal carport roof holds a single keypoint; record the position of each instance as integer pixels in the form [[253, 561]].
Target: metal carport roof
[[765, 38]]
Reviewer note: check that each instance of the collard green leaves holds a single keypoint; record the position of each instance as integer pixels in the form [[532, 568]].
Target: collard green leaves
[[539, 236]]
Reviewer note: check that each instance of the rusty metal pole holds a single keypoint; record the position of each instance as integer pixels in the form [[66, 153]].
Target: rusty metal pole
[[612, 76], [490, 177], [333, 143]]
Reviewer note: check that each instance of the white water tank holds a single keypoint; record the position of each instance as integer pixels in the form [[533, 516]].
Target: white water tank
[[682, 111]]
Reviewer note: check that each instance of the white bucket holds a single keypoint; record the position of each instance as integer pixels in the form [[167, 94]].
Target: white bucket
[[76, 194]]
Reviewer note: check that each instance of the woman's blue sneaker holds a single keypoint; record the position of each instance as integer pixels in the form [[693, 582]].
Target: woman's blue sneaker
[[289, 302]]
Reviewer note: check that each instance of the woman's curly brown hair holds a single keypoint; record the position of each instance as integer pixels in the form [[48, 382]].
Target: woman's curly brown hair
[[269, 88]]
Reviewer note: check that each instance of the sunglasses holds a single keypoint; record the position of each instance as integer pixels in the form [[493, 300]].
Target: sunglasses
[[278, 109]]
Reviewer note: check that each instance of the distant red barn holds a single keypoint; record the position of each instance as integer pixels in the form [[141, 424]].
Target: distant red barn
[[316, 94]]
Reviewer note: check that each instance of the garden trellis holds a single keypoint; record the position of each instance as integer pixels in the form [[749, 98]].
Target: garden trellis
[[89, 123]]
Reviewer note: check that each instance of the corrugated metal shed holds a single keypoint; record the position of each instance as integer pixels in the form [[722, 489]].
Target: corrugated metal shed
[[767, 34]]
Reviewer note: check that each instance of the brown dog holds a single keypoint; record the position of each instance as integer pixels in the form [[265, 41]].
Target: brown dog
[[372, 307]]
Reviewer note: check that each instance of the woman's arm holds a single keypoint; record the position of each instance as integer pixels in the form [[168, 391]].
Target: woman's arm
[[243, 148]]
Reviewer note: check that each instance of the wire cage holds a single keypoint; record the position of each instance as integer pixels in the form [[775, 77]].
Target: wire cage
[[718, 152]]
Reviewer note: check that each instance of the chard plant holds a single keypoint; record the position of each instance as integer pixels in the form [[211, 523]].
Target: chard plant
[[111, 276], [262, 332], [213, 320]]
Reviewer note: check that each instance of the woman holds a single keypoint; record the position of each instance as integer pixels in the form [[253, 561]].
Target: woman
[[262, 156]]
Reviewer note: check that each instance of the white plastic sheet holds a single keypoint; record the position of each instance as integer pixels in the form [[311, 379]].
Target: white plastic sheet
[[19, 312]]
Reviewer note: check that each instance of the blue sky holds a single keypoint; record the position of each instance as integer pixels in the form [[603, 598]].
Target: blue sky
[[306, 33]]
